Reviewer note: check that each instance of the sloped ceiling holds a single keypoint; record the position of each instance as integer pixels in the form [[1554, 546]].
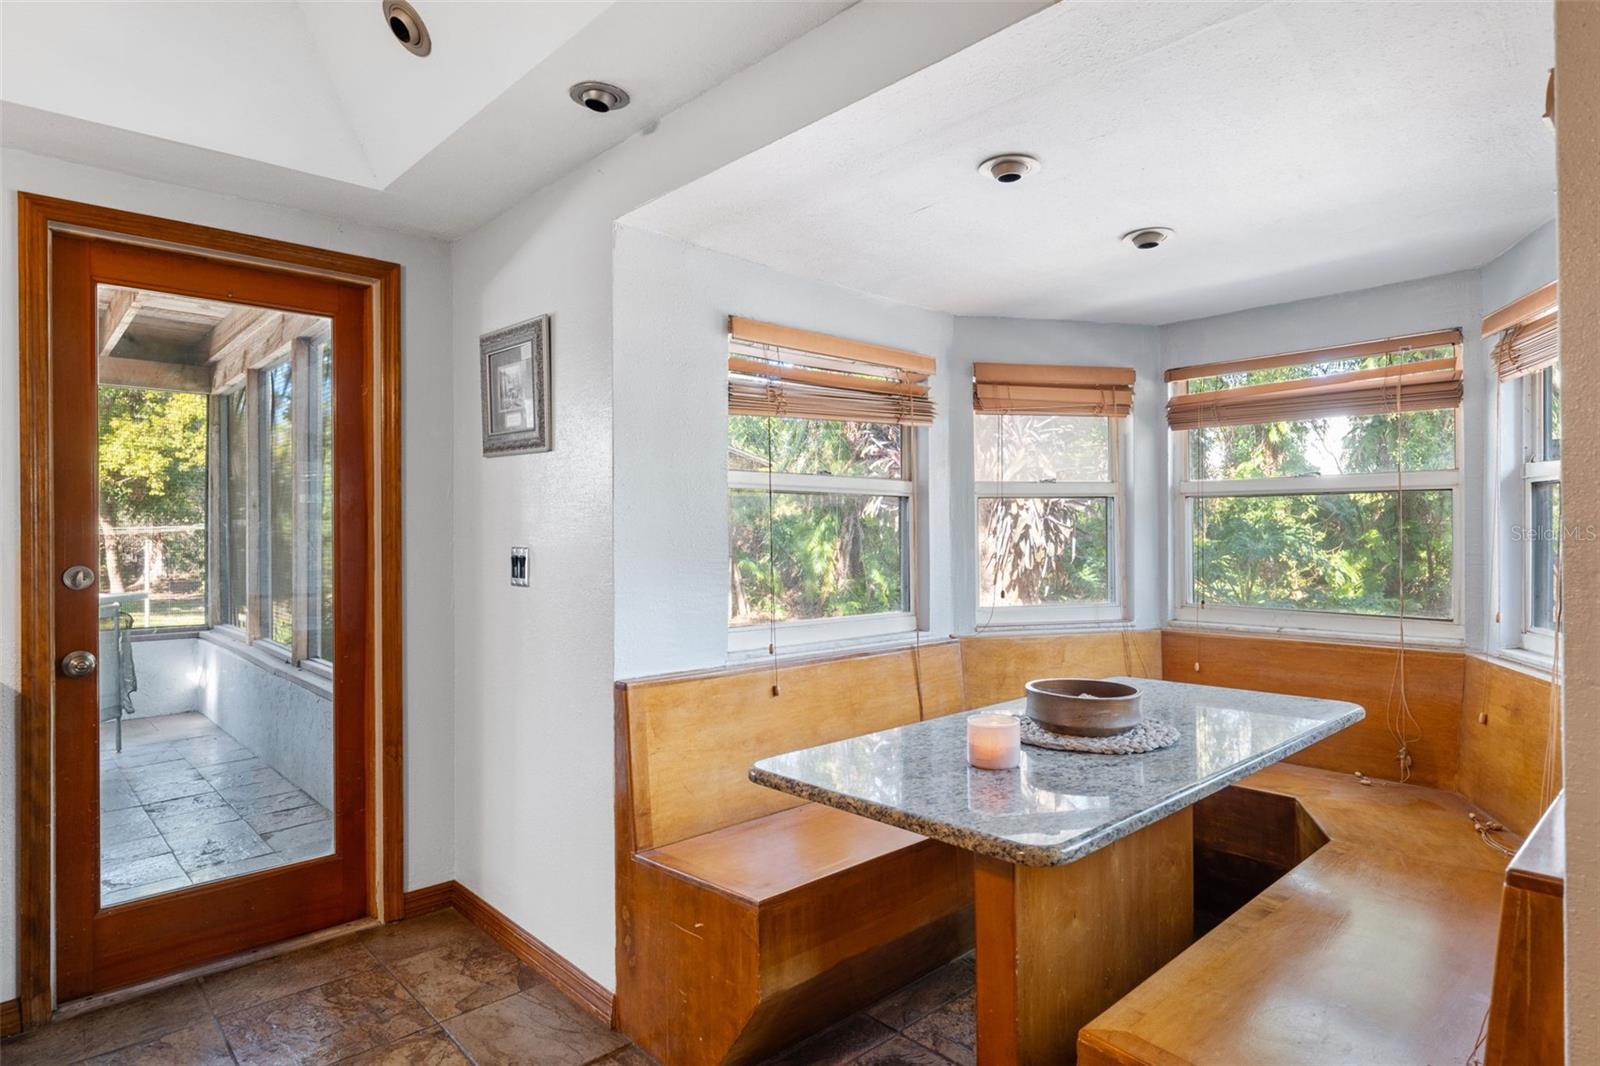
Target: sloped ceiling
[[1297, 149], [315, 104]]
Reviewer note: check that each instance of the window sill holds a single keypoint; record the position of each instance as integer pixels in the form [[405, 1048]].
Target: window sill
[[1413, 639], [139, 636], [1527, 659], [1033, 619], [311, 680], [797, 650]]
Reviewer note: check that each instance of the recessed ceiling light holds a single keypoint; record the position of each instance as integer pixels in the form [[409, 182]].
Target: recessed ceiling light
[[1147, 237], [1008, 169], [598, 96], [407, 27]]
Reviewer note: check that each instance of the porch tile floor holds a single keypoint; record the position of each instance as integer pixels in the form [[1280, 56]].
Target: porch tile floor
[[184, 803], [436, 990]]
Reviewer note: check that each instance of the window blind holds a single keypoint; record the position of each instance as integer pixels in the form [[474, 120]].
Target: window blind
[[793, 373], [1530, 334], [1030, 389], [1415, 385]]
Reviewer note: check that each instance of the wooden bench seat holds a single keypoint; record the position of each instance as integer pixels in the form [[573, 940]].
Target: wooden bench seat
[[1375, 946], [748, 919], [768, 857]]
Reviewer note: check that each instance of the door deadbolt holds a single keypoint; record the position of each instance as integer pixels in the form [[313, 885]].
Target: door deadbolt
[[78, 663], [77, 578]]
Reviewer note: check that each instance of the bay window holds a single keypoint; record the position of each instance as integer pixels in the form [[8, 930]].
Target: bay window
[[1320, 490]]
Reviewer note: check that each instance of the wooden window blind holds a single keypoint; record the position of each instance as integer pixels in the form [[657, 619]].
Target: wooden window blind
[[1029, 389], [793, 373], [1530, 334], [1417, 385]]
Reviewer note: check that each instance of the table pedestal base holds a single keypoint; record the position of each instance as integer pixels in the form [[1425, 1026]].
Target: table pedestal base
[[1059, 944]]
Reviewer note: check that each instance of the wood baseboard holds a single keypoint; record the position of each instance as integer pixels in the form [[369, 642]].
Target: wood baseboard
[[427, 900], [578, 986], [10, 1018]]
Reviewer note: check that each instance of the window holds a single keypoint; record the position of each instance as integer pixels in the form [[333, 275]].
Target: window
[[276, 505], [1541, 526], [152, 481], [236, 428], [1047, 459], [1319, 490], [1527, 356], [277, 499], [821, 491]]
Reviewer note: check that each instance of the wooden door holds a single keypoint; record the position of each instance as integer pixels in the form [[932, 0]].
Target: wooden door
[[208, 901]]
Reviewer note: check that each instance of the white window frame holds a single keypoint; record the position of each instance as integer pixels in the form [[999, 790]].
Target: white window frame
[[1114, 489], [305, 405], [809, 632], [1189, 615], [1535, 469]]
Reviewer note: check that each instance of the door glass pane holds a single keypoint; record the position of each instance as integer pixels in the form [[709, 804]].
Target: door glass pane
[[215, 456]]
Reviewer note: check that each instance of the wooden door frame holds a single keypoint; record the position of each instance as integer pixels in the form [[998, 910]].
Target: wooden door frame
[[37, 217]]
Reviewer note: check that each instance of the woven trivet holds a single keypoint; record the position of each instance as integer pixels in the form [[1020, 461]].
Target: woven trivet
[[1148, 735]]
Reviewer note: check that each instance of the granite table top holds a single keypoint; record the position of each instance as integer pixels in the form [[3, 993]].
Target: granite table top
[[1058, 806]]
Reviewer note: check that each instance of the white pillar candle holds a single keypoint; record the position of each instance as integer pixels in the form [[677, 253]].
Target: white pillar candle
[[994, 741]]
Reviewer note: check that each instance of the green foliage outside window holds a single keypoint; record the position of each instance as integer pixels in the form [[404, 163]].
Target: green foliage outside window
[[1331, 551], [817, 554], [152, 456]]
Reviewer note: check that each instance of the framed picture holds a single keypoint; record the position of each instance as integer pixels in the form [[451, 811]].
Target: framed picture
[[516, 388]]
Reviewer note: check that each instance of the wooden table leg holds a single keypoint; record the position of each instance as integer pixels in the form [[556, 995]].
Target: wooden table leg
[[1059, 944]]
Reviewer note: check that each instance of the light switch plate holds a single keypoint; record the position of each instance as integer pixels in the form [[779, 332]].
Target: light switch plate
[[519, 566]]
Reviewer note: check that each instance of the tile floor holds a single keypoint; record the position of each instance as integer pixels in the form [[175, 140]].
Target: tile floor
[[184, 803], [436, 990]]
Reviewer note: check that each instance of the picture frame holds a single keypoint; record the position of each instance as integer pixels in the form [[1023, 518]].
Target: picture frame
[[514, 366]]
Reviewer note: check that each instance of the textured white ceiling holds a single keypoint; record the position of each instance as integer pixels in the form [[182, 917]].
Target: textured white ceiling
[[1297, 149]]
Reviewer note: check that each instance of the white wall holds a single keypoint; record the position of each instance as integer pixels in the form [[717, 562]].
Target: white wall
[[1525, 266], [286, 720], [168, 674], [427, 590], [534, 666], [1451, 300]]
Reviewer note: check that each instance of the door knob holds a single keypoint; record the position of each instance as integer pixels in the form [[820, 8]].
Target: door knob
[[77, 578], [78, 663]]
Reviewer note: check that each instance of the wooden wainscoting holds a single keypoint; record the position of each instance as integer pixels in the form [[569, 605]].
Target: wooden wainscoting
[[1360, 673], [1506, 719], [995, 668], [692, 737], [538, 956]]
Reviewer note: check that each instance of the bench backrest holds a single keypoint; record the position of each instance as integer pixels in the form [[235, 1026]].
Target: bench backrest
[[686, 742]]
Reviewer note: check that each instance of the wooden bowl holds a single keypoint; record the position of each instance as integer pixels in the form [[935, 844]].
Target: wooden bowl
[[1083, 707]]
